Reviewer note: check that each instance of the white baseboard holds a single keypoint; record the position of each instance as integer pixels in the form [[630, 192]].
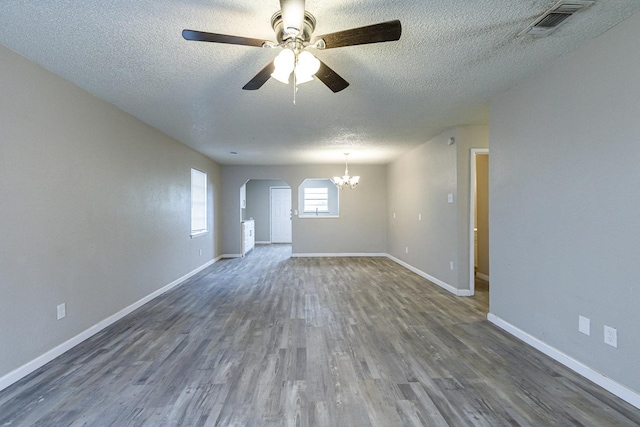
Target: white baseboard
[[262, 243], [603, 381], [453, 290], [24, 370], [231, 256], [444, 285], [342, 255], [482, 276]]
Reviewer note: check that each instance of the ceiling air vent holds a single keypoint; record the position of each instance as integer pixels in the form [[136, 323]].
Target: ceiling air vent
[[549, 21]]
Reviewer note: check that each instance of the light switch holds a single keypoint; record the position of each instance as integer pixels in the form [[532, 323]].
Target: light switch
[[450, 198]]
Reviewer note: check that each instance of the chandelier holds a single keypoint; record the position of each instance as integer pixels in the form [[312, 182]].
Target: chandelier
[[346, 180]]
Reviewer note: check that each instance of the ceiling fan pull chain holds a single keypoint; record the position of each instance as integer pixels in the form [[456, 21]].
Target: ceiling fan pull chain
[[295, 88]]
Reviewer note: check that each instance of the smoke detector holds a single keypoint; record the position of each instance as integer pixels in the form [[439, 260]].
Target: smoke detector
[[549, 21]]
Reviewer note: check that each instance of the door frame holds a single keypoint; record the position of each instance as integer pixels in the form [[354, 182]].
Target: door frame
[[472, 216], [281, 187]]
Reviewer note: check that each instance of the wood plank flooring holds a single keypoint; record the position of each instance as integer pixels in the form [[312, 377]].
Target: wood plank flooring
[[273, 341]]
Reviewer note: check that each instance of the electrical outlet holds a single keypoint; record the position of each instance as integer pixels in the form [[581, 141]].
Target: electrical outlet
[[200, 252], [62, 310], [584, 325], [419, 217], [394, 215], [610, 336], [451, 265], [406, 249], [450, 198]]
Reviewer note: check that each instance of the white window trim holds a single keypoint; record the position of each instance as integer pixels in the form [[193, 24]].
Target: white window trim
[[195, 232], [325, 198], [312, 214]]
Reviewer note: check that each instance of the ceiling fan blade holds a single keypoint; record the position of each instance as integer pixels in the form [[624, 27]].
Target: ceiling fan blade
[[330, 78], [383, 32], [260, 78], [201, 36]]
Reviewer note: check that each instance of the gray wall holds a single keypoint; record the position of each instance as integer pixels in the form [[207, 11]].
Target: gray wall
[[565, 197], [419, 183], [95, 210], [259, 205], [361, 227]]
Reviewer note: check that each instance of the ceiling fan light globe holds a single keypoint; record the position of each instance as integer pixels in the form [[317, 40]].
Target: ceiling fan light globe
[[281, 76], [302, 78], [307, 63], [285, 61], [284, 64]]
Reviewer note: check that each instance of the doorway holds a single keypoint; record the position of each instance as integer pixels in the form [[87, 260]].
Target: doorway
[[280, 202], [479, 218]]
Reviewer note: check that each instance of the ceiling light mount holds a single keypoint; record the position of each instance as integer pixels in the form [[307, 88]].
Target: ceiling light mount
[[346, 180]]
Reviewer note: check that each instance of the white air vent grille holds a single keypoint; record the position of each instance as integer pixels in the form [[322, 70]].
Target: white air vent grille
[[552, 18]]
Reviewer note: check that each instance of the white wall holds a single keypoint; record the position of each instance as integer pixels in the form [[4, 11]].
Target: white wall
[[419, 182], [94, 210], [361, 227], [565, 197]]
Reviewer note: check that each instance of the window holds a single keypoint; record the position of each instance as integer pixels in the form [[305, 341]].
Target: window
[[318, 198], [198, 202]]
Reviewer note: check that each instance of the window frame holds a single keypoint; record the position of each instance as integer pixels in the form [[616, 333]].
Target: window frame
[[198, 203], [333, 198], [315, 196]]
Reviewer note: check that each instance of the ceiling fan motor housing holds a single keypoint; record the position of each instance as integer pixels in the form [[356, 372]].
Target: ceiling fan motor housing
[[282, 36]]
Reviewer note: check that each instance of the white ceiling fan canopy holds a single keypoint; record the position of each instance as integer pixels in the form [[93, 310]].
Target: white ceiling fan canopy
[[292, 16]]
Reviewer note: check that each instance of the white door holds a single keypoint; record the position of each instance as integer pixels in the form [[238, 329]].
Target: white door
[[280, 215]]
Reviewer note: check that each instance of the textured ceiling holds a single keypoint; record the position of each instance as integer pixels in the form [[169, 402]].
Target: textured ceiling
[[454, 55]]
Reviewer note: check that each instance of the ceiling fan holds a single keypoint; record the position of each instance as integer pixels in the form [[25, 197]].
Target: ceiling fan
[[294, 27]]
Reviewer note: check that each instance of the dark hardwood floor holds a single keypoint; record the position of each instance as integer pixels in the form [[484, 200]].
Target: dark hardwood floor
[[274, 341]]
